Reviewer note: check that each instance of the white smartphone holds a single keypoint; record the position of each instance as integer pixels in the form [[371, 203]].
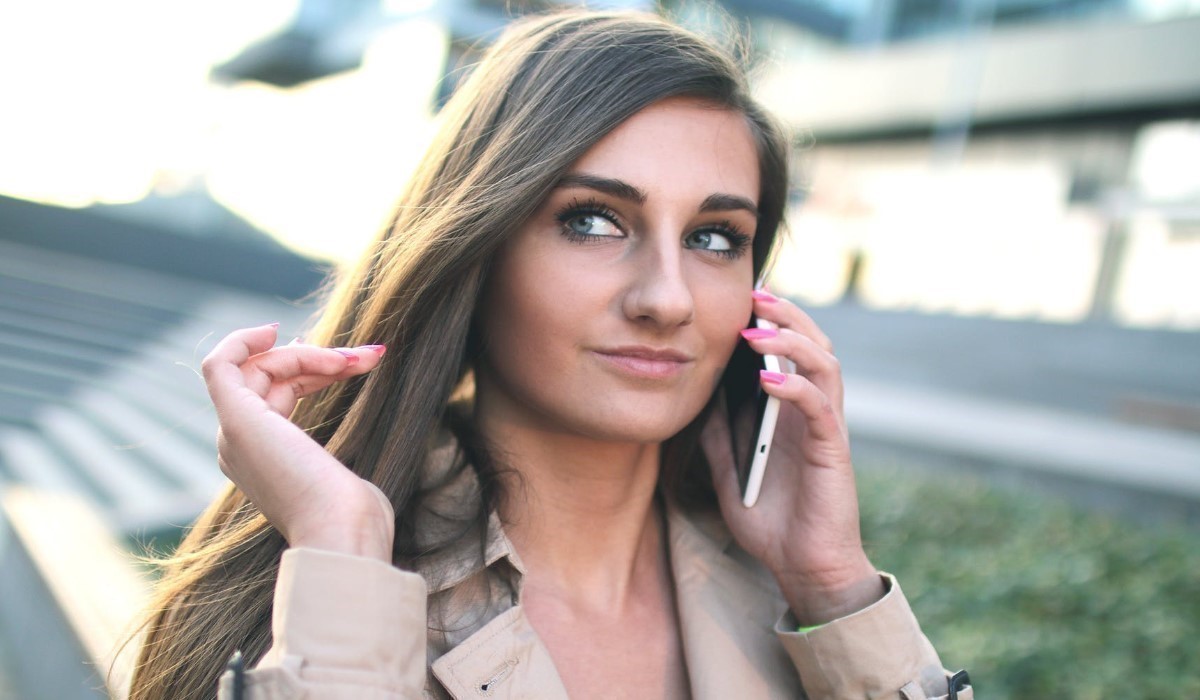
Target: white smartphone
[[767, 410], [745, 402]]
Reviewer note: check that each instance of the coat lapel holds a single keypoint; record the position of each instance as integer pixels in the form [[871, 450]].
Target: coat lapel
[[727, 614], [504, 659]]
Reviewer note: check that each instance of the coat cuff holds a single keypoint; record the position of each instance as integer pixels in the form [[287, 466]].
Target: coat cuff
[[342, 621], [874, 652]]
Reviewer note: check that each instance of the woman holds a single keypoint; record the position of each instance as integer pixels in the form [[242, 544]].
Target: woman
[[511, 475]]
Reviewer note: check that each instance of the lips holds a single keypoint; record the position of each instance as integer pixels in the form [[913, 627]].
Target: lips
[[648, 353], [644, 361]]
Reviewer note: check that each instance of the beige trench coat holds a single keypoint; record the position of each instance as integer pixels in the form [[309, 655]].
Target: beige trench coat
[[356, 629]]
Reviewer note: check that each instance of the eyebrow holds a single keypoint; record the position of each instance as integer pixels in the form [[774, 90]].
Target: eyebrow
[[607, 185], [623, 190], [728, 202]]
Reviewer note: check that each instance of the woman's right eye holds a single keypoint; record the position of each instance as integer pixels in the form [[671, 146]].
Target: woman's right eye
[[589, 221], [587, 225]]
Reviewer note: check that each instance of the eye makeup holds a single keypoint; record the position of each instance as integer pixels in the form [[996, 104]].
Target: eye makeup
[[739, 242], [697, 239], [577, 210]]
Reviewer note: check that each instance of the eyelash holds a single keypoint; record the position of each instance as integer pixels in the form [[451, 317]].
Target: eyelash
[[589, 207], [738, 242]]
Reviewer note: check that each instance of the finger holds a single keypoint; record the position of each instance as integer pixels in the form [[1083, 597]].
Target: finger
[[336, 364], [282, 398], [821, 416], [296, 364], [221, 367], [809, 359], [785, 314]]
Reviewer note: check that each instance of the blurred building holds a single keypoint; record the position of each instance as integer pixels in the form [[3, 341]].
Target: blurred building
[[1006, 158], [1012, 158]]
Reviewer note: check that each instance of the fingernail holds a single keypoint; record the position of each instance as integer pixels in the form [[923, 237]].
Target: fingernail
[[274, 325], [759, 333], [772, 377], [379, 349], [766, 296], [348, 354]]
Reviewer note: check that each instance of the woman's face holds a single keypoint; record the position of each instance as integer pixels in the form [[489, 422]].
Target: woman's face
[[611, 313]]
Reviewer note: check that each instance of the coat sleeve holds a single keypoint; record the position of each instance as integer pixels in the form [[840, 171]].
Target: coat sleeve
[[877, 652], [344, 627]]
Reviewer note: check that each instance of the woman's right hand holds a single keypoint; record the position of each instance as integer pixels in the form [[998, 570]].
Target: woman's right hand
[[310, 497]]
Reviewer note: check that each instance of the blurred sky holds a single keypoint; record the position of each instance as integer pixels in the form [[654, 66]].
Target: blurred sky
[[112, 102], [108, 102]]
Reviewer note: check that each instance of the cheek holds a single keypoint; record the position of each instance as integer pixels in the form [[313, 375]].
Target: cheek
[[515, 315], [530, 311], [538, 296], [725, 308]]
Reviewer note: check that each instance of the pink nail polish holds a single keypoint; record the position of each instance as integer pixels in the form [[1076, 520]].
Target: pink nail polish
[[274, 325], [762, 295], [378, 349], [759, 333], [772, 377], [348, 354]]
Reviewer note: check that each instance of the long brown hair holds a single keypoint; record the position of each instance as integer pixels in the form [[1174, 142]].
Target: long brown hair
[[542, 95]]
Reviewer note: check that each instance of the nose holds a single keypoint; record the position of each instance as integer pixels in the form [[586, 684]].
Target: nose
[[658, 293]]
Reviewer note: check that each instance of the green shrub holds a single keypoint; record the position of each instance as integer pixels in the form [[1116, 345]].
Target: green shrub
[[1037, 598]]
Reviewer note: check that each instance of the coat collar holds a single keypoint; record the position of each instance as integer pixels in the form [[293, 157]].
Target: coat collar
[[727, 605], [504, 659]]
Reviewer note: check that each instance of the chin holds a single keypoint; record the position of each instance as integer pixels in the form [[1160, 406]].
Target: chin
[[640, 424]]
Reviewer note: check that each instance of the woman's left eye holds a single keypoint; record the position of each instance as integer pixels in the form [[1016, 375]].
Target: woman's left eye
[[726, 242], [708, 240]]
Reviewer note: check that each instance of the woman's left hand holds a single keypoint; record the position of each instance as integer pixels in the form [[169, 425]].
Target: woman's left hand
[[805, 526]]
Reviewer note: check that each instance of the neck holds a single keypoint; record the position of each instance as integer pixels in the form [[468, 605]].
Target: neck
[[581, 513]]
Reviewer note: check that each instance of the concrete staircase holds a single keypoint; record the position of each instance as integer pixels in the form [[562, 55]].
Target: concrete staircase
[[100, 392], [106, 432]]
